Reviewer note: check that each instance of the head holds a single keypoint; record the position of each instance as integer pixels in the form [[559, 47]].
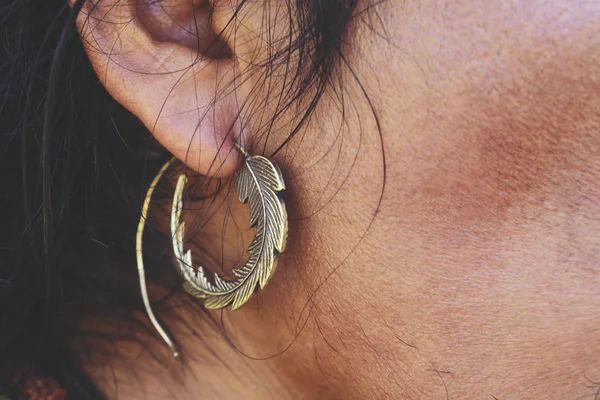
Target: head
[[443, 168]]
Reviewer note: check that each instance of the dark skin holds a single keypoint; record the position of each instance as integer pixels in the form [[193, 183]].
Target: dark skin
[[474, 276]]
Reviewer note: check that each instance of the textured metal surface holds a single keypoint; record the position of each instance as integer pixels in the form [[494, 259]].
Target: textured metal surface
[[258, 184]]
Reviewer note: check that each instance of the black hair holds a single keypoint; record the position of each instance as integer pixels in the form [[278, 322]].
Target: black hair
[[74, 167]]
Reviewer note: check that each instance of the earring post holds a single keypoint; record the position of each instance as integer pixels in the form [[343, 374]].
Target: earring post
[[241, 148]]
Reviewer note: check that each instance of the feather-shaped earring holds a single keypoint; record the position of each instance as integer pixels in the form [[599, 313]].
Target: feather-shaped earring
[[258, 184]]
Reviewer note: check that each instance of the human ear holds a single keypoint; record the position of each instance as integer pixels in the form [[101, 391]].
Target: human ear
[[166, 63]]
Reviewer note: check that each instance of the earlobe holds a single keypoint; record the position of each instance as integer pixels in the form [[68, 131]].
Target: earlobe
[[175, 78]]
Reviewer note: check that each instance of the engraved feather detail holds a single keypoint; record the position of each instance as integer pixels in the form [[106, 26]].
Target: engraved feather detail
[[258, 184]]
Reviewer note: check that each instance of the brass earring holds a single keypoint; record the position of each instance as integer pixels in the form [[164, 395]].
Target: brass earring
[[259, 183]]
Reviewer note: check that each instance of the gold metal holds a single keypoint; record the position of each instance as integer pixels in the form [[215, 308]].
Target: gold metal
[[258, 184], [140, 258]]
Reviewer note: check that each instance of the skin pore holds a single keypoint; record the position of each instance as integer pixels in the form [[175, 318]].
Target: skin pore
[[474, 275]]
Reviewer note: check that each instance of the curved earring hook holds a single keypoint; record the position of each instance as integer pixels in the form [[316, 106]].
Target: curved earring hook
[[140, 258]]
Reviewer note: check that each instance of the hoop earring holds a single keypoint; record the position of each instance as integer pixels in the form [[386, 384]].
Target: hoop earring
[[258, 184]]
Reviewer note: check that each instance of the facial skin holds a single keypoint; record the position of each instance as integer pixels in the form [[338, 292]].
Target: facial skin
[[473, 276]]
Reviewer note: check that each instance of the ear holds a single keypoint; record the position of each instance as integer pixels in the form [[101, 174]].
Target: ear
[[164, 62]]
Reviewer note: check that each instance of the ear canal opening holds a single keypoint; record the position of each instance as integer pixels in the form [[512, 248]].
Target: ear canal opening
[[186, 22]]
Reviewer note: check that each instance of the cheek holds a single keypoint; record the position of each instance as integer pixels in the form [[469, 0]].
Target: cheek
[[485, 250], [488, 106], [491, 117]]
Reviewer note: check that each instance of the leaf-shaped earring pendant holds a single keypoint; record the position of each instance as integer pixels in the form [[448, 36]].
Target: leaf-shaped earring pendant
[[258, 184]]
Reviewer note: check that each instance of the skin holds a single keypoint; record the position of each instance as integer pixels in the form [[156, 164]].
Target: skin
[[473, 276]]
